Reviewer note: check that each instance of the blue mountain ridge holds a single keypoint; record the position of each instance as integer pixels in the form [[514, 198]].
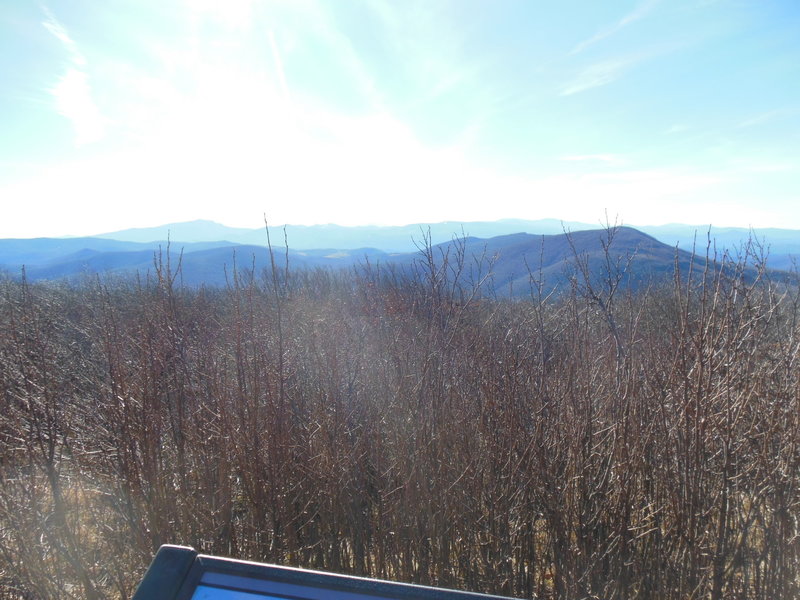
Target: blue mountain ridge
[[512, 261]]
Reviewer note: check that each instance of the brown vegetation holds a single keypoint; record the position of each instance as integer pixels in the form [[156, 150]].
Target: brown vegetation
[[604, 444]]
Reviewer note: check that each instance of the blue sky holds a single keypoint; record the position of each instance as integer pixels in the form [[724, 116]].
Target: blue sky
[[128, 113]]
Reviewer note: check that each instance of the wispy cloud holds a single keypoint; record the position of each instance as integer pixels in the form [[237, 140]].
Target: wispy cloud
[[432, 55], [73, 99], [316, 20], [276, 55], [676, 128], [597, 75], [765, 164], [72, 94], [773, 168], [610, 159], [760, 118], [57, 29], [641, 11], [234, 15]]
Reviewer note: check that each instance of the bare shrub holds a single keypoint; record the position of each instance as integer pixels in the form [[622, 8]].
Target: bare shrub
[[405, 424]]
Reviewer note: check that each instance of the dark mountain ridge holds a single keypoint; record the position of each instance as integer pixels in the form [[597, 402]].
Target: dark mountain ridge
[[521, 260]]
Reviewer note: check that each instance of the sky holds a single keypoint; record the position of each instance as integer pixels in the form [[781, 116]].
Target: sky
[[135, 113]]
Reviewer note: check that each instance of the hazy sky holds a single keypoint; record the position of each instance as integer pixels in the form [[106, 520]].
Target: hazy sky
[[123, 113]]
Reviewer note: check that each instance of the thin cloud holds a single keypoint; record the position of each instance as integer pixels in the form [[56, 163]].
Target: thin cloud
[[432, 56], [319, 23], [773, 168], [760, 164], [637, 14], [602, 158], [73, 99], [72, 94], [596, 75], [676, 128], [59, 32], [276, 56], [235, 15], [760, 118]]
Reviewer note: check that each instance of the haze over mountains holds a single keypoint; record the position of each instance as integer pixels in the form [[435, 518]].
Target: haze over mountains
[[515, 249], [403, 238]]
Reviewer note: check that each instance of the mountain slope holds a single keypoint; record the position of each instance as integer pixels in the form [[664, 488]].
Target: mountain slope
[[520, 259], [49, 251], [776, 241], [189, 231], [201, 263]]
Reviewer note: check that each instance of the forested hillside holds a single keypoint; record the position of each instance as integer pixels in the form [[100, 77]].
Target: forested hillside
[[608, 443]]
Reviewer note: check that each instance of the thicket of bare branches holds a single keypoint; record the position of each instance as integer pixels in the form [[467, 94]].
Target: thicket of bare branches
[[602, 444]]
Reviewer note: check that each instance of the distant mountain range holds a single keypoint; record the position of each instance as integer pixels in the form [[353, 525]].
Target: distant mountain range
[[402, 238], [781, 243], [517, 250]]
